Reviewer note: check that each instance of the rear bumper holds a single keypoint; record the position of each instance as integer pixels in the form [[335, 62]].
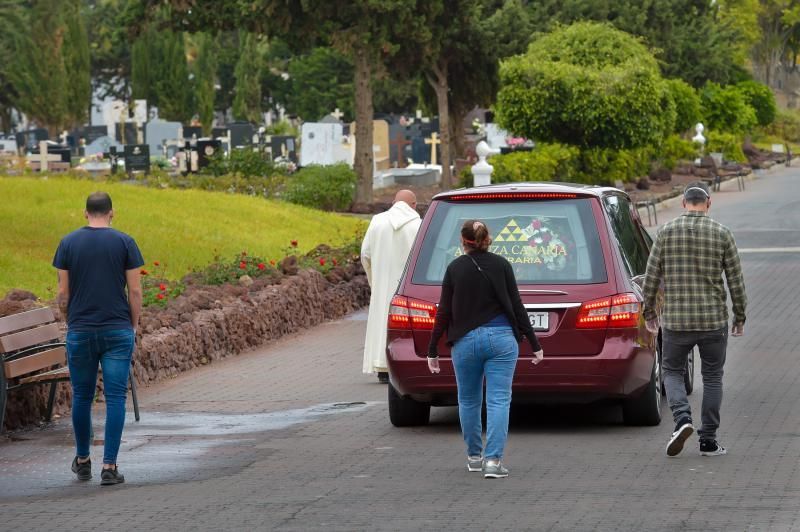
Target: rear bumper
[[620, 370]]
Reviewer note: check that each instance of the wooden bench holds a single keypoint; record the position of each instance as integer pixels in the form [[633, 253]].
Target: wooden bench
[[32, 354]]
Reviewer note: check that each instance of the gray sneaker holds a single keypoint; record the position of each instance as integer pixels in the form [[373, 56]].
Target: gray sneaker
[[494, 470], [474, 464]]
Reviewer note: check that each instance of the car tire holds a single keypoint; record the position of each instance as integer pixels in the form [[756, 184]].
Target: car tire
[[688, 376], [645, 409], [406, 412]]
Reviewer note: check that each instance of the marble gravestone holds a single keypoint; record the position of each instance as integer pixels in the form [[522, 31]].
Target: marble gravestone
[[324, 143], [102, 145], [241, 134]]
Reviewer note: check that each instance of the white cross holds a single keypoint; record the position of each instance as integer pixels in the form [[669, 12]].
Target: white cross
[[433, 141], [43, 157], [337, 114]]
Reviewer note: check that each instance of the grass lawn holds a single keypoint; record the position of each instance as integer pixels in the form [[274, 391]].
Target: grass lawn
[[182, 229]]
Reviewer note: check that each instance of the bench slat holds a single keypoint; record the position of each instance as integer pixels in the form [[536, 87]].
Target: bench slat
[[31, 337], [59, 373], [31, 363], [24, 320]]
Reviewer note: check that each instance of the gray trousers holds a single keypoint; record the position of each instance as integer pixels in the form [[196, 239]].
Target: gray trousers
[[676, 346]]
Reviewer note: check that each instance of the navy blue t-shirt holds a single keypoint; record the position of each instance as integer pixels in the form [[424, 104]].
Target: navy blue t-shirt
[[97, 259]]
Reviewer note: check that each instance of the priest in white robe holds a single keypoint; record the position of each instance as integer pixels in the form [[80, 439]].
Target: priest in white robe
[[383, 254]]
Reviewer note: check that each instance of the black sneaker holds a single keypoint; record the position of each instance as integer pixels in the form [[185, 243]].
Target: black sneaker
[[83, 470], [683, 429], [109, 477], [711, 448]]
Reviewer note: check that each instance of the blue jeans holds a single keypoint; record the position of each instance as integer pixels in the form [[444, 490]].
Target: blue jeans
[[85, 351], [489, 352]]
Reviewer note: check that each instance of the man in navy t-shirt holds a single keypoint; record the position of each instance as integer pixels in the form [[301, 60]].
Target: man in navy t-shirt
[[95, 265]]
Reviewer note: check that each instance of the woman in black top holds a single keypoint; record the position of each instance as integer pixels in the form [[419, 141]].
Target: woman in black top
[[483, 315]]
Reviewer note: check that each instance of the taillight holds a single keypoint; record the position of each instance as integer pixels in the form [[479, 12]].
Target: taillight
[[621, 310], [411, 314]]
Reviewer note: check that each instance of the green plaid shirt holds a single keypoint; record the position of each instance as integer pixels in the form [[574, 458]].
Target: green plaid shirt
[[690, 254]]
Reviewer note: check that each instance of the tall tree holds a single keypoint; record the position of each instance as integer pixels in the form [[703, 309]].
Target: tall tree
[[78, 86], [160, 74], [110, 48], [205, 77], [37, 73], [779, 22], [12, 35], [247, 100], [321, 81]]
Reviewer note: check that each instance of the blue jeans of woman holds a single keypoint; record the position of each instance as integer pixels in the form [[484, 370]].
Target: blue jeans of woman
[[488, 353], [86, 351]]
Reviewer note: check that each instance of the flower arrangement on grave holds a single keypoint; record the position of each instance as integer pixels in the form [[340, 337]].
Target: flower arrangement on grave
[[547, 246]]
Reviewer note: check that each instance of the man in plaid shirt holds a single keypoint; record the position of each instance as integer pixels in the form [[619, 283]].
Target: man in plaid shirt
[[689, 256]]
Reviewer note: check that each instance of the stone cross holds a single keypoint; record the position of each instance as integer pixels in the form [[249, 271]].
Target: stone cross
[[400, 142], [433, 141], [43, 158], [337, 114]]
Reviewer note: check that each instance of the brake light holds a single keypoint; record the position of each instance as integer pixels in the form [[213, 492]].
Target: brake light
[[411, 314], [621, 310], [513, 196]]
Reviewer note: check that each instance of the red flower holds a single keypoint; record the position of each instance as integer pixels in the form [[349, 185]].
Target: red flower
[[143, 271], [294, 243], [334, 262], [322, 262], [156, 263], [162, 287], [243, 265], [546, 238], [160, 296], [536, 224], [272, 262], [261, 266]]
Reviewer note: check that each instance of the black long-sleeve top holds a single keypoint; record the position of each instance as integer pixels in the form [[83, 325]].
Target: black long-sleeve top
[[470, 299]]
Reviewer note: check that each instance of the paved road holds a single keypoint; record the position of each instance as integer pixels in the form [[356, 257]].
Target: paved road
[[292, 437]]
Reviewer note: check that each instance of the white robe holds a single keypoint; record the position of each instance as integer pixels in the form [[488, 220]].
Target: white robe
[[384, 253]]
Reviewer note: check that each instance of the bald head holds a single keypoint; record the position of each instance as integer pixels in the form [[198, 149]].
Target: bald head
[[406, 196]]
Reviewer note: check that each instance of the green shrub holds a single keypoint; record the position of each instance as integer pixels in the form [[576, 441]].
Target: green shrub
[[687, 104], [266, 186], [323, 187], [547, 162], [786, 126], [604, 166], [761, 99], [728, 144], [675, 149], [725, 109], [229, 271], [245, 163], [589, 85]]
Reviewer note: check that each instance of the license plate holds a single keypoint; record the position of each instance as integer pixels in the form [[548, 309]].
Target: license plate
[[540, 321]]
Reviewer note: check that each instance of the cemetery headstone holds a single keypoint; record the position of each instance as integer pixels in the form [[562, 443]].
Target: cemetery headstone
[[283, 146], [92, 133], [217, 132], [50, 157], [127, 132], [102, 145], [113, 154], [188, 158], [30, 139], [137, 158], [434, 141], [206, 150], [420, 152], [159, 131], [8, 146], [192, 131], [397, 145], [323, 143], [241, 134]]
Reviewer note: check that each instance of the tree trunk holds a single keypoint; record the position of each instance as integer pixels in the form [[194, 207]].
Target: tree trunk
[[457, 132], [363, 160], [440, 85]]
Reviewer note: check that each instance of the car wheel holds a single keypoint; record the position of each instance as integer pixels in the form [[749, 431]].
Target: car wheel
[[688, 376], [406, 412], [646, 408]]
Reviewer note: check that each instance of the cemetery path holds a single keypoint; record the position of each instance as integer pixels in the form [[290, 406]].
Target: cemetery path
[[292, 437]]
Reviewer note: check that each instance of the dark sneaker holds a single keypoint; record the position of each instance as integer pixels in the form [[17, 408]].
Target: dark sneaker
[[683, 429], [474, 464], [383, 377], [711, 448], [109, 477], [84, 470], [494, 470]]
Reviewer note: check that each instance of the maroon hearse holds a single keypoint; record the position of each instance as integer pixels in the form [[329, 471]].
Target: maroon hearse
[[579, 255]]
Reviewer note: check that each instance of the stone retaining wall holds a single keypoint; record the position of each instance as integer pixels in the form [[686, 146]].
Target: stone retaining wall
[[209, 323]]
